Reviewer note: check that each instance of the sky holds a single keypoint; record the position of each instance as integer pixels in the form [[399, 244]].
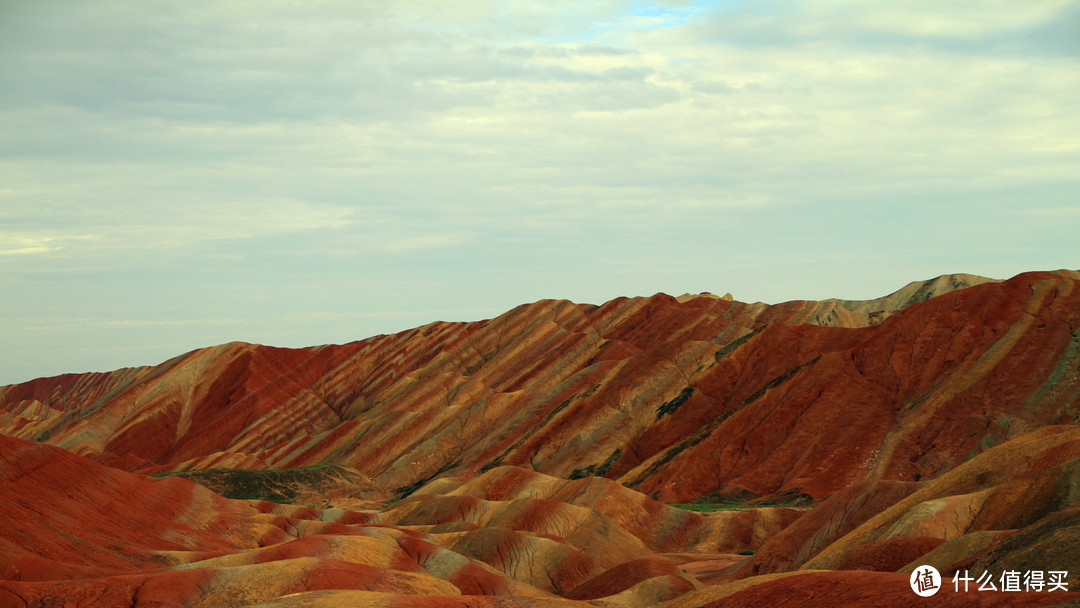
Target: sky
[[179, 174]]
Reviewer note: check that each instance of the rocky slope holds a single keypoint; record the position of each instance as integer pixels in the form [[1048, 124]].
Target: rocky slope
[[532, 455], [680, 400], [76, 533]]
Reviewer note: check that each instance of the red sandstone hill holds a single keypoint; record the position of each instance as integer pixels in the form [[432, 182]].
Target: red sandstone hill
[[678, 399], [934, 426], [74, 533]]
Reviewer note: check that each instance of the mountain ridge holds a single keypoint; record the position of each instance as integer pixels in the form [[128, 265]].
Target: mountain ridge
[[960, 281], [525, 460], [635, 389]]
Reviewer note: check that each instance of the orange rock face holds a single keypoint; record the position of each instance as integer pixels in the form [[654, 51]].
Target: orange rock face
[[74, 533], [534, 453], [677, 399]]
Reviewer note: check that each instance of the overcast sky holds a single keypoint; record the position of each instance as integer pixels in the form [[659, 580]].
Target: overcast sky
[[180, 174]]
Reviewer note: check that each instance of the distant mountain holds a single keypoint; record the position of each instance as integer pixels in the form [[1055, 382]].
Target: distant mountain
[[912, 293]]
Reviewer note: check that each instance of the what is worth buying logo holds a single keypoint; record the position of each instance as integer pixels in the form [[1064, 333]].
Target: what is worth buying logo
[[926, 581]]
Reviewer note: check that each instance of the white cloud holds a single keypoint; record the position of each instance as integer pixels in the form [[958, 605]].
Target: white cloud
[[22, 244], [960, 19], [1054, 212], [28, 250], [169, 222]]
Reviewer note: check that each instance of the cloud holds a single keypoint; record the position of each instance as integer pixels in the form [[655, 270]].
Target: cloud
[[20, 244], [422, 242], [1053, 212], [965, 26], [380, 99], [28, 250]]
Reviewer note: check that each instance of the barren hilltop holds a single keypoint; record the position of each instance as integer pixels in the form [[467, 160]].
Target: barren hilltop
[[828, 448]]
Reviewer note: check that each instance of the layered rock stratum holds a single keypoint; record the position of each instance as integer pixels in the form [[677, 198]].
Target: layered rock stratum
[[529, 460]]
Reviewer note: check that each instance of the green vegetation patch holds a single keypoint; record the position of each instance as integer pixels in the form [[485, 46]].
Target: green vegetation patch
[[272, 485], [412, 487], [736, 343], [988, 442], [674, 404], [713, 507], [596, 470]]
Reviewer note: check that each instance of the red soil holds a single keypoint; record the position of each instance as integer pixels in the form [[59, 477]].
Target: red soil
[[541, 447]]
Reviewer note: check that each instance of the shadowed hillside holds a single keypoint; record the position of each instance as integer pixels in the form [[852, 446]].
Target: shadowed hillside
[[317, 483]]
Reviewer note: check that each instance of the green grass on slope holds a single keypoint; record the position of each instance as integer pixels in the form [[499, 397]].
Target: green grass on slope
[[273, 485], [730, 506]]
